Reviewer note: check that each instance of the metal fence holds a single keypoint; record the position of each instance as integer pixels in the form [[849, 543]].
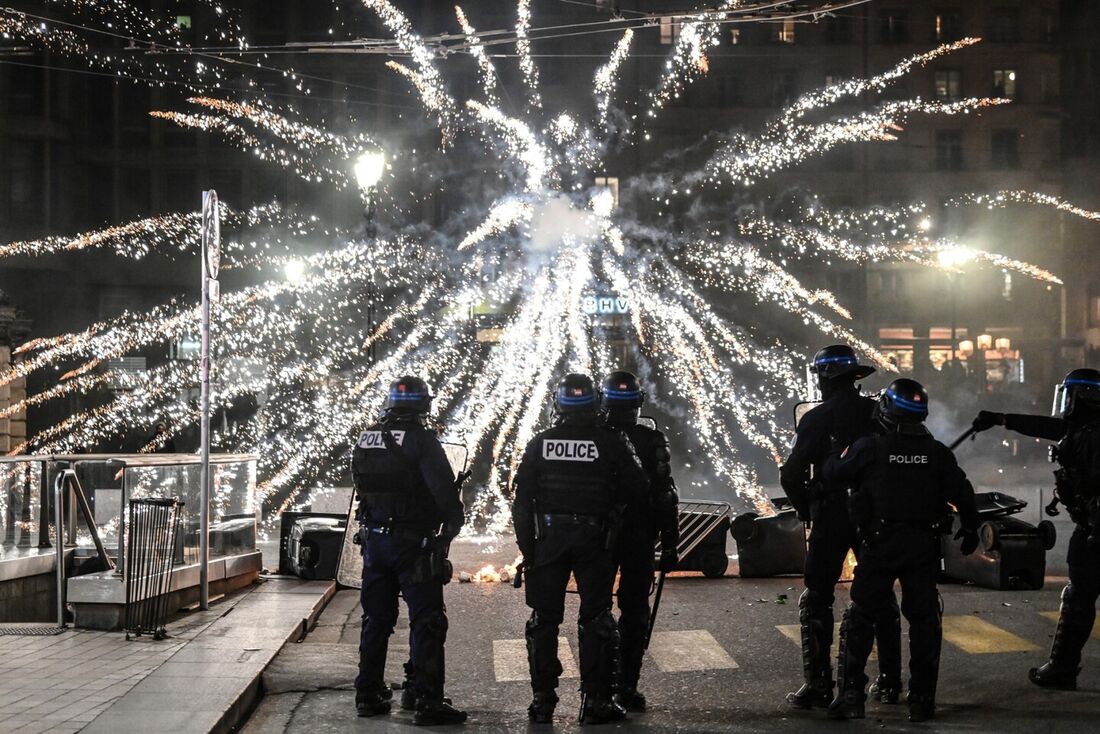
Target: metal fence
[[152, 528]]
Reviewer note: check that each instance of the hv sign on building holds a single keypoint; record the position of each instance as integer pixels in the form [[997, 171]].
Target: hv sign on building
[[605, 305]]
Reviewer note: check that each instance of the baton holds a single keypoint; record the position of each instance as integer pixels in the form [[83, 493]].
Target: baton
[[970, 433], [656, 606]]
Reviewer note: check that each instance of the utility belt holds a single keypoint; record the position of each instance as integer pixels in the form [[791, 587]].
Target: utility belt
[[609, 524], [878, 528], [424, 537]]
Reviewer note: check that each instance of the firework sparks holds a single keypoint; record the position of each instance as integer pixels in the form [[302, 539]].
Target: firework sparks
[[552, 239]]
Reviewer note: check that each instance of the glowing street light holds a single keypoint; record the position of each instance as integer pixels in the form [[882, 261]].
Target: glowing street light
[[369, 169]]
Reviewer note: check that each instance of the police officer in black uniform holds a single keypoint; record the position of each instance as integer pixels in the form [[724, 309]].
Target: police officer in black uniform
[[409, 511], [648, 516], [844, 416], [903, 480], [570, 489], [1076, 428]]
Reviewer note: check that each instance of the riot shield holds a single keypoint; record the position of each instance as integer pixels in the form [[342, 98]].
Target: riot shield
[[349, 571]]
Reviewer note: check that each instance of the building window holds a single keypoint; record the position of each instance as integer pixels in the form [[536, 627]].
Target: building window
[[1048, 28], [782, 31], [948, 25], [1006, 148], [670, 30], [1094, 305], [735, 36], [832, 79], [1004, 83], [947, 85], [611, 183], [949, 150], [894, 26], [783, 87], [1005, 26]]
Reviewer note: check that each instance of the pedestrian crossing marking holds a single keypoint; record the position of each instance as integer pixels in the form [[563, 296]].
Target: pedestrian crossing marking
[[682, 651], [976, 636], [793, 632], [1054, 617], [510, 660]]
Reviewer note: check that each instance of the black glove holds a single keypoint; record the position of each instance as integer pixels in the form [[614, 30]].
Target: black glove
[[987, 419], [969, 541], [670, 557]]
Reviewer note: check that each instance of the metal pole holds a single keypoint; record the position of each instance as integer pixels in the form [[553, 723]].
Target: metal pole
[[210, 253], [59, 544]]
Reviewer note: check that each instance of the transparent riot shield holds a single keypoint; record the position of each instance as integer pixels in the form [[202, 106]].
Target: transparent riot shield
[[349, 571]]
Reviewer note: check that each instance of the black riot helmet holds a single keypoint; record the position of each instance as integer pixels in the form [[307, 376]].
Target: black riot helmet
[[621, 390], [839, 360], [904, 401], [575, 394], [409, 395], [1079, 393]]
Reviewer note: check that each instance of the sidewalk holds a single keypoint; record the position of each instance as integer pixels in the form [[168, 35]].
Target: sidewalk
[[205, 677]]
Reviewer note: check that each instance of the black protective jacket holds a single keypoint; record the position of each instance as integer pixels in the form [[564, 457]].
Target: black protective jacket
[[1077, 453], [658, 510], [408, 483], [581, 466], [904, 477], [839, 421]]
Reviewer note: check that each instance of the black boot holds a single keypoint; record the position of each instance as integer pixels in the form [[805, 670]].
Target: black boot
[[599, 710], [818, 694], [1050, 676], [921, 708], [371, 703], [631, 700], [541, 710], [885, 690], [431, 713], [1073, 630], [848, 704]]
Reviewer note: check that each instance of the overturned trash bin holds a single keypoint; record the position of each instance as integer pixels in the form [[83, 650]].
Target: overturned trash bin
[[770, 546], [702, 547], [1012, 553], [310, 544]]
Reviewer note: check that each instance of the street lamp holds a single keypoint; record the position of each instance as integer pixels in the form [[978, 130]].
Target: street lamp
[[368, 172]]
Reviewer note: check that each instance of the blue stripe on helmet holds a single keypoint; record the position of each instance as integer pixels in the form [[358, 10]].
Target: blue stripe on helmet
[[907, 404], [842, 360], [1078, 381], [395, 395], [576, 400], [623, 394]]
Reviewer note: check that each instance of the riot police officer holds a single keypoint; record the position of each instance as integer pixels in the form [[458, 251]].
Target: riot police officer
[[903, 480], [1076, 428], [409, 511], [570, 488], [649, 515], [844, 416]]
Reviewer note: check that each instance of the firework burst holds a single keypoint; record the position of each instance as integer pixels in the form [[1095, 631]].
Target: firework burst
[[553, 240]]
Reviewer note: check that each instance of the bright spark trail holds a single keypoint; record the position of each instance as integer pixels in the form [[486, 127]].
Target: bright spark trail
[[551, 239]]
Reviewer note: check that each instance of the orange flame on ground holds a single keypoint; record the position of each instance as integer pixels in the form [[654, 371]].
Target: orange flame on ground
[[848, 572]]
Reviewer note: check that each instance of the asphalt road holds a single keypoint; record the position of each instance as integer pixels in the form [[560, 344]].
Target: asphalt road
[[722, 659]]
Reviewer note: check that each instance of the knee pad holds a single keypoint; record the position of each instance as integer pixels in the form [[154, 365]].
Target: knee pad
[[812, 601], [435, 623], [384, 625], [1070, 594], [537, 623], [602, 626]]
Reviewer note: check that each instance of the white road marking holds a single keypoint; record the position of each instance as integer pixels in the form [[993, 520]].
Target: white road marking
[[685, 650], [510, 660]]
